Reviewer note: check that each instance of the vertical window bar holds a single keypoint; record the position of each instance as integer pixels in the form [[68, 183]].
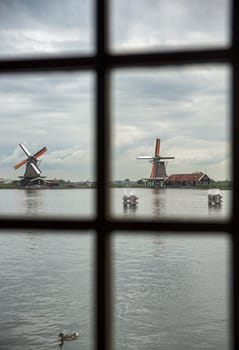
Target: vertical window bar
[[235, 141], [102, 161]]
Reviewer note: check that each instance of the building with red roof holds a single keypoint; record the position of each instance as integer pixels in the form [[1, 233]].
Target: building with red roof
[[187, 179]]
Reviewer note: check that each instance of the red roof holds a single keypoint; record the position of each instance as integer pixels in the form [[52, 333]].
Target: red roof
[[186, 177]]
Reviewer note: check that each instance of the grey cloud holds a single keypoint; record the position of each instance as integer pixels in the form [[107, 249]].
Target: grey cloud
[[171, 98], [31, 14], [159, 23], [29, 27]]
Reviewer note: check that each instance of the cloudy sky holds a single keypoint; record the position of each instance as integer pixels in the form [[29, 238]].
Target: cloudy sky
[[186, 107]]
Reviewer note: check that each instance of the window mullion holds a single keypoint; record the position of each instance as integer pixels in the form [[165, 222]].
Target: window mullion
[[102, 172], [235, 168]]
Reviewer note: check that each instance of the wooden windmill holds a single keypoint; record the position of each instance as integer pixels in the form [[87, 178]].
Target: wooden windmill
[[158, 172], [32, 172]]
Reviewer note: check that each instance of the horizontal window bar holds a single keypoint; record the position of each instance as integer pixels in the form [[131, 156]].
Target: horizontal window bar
[[121, 60], [99, 225]]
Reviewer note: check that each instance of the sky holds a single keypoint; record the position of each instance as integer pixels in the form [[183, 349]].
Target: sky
[[186, 107]]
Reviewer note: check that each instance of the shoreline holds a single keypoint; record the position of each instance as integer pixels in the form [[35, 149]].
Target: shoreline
[[75, 187]]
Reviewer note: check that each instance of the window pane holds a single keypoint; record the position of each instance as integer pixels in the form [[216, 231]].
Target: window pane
[[46, 288], [164, 25], [46, 27], [171, 142], [53, 111], [171, 291]]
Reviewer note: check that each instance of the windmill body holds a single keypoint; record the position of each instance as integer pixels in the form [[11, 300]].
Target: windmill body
[[32, 172], [158, 172]]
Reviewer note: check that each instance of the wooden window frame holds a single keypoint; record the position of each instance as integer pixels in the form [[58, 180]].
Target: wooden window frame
[[102, 63]]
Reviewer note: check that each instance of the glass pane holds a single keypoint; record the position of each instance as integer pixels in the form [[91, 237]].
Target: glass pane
[[171, 292], [46, 27], [171, 142], [53, 111], [46, 289], [164, 25]]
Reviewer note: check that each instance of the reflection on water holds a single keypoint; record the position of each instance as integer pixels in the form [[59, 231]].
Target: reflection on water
[[158, 202], [130, 210], [215, 210], [68, 203], [33, 202]]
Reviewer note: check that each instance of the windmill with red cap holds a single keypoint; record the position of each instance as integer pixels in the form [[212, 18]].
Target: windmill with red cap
[[159, 163], [32, 172]]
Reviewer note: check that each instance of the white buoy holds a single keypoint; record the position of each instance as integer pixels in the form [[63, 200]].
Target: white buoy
[[130, 200], [214, 197]]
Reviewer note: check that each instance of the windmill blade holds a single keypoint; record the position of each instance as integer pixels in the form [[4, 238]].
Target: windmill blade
[[144, 157], [25, 150], [20, 164], [39, 153], [153, 171], [35, 168], [168, 157], [157, 148]]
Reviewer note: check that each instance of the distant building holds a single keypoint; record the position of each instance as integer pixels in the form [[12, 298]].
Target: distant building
[[187, 179], [5, 181], [54, 183]]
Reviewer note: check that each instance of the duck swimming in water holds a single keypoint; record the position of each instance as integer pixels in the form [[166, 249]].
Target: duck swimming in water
[[67, 337]]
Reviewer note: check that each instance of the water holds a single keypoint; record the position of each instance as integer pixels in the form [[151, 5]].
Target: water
[[68, 203], [153, 203], [46, 287], [170, 292], [171, 204]]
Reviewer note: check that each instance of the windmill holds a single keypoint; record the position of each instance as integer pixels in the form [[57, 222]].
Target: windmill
[[158, 173], [32, 172]]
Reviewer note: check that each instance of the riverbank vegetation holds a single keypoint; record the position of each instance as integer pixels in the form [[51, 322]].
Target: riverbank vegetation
[[222, 185]]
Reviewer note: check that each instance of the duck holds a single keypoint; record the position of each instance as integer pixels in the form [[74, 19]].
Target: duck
[[67, 337]]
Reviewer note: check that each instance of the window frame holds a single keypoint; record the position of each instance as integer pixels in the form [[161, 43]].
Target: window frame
[[102, 63]]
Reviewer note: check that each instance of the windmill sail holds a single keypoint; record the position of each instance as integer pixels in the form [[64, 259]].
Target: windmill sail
[[39, 153], [25, 150], [157, 148], [35, 168], [18, 165]]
